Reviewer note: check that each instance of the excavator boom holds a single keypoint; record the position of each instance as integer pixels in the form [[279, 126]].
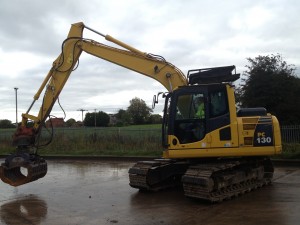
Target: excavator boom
[[26, 138], [149, 65]]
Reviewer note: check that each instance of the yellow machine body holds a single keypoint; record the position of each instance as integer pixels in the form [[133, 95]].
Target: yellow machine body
[[248, 137]]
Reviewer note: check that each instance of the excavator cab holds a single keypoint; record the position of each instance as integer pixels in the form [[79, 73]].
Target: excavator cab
[[195, 110]]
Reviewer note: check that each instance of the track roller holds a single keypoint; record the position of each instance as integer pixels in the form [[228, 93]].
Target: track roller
[[22, 168]]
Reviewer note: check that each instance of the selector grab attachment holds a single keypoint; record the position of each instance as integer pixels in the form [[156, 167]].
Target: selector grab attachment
[[19, 169]]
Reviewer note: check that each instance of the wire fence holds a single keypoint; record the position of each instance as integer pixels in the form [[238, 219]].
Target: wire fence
[[95, 141], [289, 133]]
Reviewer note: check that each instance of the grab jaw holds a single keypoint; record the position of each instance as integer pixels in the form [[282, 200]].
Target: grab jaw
[[22, 168]]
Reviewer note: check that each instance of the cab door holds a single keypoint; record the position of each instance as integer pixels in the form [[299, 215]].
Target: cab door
[[186, 109]]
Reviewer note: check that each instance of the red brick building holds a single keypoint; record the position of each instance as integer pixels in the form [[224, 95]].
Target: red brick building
[[56, 122]]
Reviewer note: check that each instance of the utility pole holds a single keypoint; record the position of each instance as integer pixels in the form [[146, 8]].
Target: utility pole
[[16, 90], [95, 118], [82, 110]]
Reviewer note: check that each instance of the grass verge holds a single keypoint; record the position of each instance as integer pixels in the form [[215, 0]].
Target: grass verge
[[142, 140]]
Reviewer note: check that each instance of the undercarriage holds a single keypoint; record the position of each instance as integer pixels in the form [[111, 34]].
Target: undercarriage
[[212, 180]]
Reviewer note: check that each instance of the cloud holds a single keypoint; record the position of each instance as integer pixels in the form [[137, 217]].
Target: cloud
[[189, 34]]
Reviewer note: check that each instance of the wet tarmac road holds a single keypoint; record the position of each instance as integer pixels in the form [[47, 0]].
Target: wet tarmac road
[[97, 192]]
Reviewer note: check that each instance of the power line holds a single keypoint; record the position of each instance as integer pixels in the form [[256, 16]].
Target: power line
[[82, 110]]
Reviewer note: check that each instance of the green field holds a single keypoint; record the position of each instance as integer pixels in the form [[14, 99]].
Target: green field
[[142, 140]]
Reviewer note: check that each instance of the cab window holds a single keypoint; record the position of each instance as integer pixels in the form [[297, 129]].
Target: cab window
[[218, 103], [190, 117]]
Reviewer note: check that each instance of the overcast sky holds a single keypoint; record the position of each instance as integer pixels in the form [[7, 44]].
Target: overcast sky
[[190, 34]]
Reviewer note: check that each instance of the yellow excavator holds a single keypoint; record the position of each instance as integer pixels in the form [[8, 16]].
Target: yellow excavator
[[211, 149]]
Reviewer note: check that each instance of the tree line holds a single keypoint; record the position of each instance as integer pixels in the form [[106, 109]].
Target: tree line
[[136, 113], [268, 81]]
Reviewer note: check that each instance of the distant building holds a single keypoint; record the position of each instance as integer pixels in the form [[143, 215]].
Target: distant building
[[56, 122], [112, 119]]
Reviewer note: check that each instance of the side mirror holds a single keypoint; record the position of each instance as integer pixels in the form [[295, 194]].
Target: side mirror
[[155, 98]]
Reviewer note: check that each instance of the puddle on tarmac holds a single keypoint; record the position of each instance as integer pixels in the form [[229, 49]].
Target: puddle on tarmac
[[97, 192]]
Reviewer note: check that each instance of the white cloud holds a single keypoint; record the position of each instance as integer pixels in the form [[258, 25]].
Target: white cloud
[[15, 64], [189, 34], [251, 19]]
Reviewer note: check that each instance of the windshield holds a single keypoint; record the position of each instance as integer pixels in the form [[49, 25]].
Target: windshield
[[190, 106]]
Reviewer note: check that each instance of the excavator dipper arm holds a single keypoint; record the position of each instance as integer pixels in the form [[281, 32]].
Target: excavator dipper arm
[[26, 137]]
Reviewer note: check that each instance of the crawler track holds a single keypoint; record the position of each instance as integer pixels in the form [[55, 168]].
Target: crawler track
[[212, 181], [216, 182], [156, 175]]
